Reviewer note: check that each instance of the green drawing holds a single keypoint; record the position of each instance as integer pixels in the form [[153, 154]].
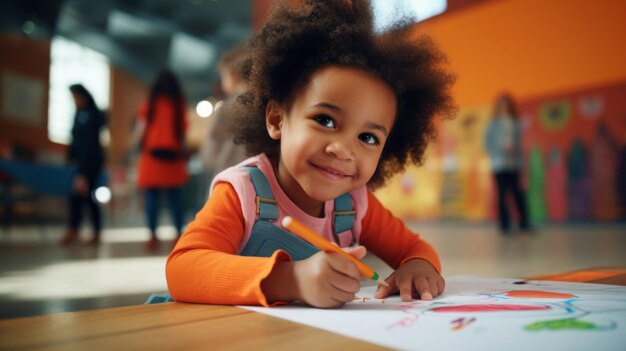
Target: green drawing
[[536, 193], [562, 324]]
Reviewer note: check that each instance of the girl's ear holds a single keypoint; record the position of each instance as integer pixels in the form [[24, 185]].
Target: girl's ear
[[274, 115]]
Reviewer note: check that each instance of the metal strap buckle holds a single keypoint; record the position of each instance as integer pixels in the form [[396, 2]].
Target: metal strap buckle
[[336, 235], [260, 199], [343, 213]]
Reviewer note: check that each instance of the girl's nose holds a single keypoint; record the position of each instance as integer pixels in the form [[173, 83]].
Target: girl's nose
[[340, 150]]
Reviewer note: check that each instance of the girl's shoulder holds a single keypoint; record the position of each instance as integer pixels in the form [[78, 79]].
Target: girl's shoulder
[[237, 173]]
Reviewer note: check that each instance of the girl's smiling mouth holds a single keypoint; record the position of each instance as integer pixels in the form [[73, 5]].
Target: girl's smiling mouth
[[331, 173]]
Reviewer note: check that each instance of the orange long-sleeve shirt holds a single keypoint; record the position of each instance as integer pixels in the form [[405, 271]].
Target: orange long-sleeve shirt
[[151, 171], [204, 266]]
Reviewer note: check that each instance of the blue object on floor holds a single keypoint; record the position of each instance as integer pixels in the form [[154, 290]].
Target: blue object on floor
[[50, 180], [158, 298]]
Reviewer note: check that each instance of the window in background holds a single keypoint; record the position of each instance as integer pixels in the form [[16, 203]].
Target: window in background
[[386, 11], [73, 63]]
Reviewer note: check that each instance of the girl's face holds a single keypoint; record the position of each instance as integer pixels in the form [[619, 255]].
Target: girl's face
[[231, 83], [332, 137], [502, 107], [79, 100]]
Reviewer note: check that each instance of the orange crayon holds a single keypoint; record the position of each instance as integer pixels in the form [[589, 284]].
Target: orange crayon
[[320, 242]]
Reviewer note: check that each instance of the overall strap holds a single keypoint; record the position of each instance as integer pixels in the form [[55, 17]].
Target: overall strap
[[343, 215], [265, 237], [266, 208]]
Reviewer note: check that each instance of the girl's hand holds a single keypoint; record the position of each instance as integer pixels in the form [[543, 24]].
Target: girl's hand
[[416, 278], [328, 279], [80, 185]]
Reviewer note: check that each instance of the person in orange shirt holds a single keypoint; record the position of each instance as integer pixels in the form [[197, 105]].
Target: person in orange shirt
[[333, 111], [162, 166]]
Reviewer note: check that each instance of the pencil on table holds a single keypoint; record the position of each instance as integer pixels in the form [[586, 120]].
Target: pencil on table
[[320, 242]]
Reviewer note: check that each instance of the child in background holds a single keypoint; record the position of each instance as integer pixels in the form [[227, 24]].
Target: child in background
[[162, 170], [503, 142], [218, 150], [333, 111]]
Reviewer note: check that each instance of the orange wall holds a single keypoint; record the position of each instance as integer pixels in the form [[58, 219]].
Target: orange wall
[[259, 10], [532, 47]]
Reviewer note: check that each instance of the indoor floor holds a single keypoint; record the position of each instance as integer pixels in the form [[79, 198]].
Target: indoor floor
[[38, 276]]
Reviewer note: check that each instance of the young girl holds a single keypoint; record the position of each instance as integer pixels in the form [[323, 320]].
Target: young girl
[[503, 142], [332, 110], [162, 169]]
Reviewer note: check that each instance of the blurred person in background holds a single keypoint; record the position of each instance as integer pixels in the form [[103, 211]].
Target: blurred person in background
[[219, 150], [86, 153], [162, 124], [504, 146]]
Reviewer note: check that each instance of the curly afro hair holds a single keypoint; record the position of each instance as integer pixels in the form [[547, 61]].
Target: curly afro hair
[[297, 40]]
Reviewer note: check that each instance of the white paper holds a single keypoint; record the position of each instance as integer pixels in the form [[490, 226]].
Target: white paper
[[483, 314]]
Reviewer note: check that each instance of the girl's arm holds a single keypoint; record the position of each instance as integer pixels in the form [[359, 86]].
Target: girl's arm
[[387, 237], [204, 267], [417, 268]]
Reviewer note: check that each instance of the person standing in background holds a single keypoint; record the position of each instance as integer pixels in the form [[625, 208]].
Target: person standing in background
[[219, 150], [162, 169], [87, 154], [504, 145]]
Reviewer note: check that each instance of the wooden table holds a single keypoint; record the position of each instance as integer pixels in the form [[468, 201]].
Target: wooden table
[[180, 326], [167, 326]]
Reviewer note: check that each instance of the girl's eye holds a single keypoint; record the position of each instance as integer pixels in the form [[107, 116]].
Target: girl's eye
[[325, 120], [369, 138]]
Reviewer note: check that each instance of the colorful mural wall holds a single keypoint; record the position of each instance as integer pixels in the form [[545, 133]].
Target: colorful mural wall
[[574, 162]]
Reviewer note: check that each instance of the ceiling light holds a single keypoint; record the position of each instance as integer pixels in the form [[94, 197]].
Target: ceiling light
[[103, 195], [204, 109]]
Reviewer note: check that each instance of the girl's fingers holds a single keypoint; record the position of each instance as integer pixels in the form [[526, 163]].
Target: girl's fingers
[[381, 292], [406, 289], [358, 251], [340, 295], [426, 288], [423, 289], [343, 265], [341, 287], [432, 283], [384, 291], [344, 283]]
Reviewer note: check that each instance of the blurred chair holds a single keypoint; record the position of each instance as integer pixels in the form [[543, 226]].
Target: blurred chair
[[20, 203], [24, 184]]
